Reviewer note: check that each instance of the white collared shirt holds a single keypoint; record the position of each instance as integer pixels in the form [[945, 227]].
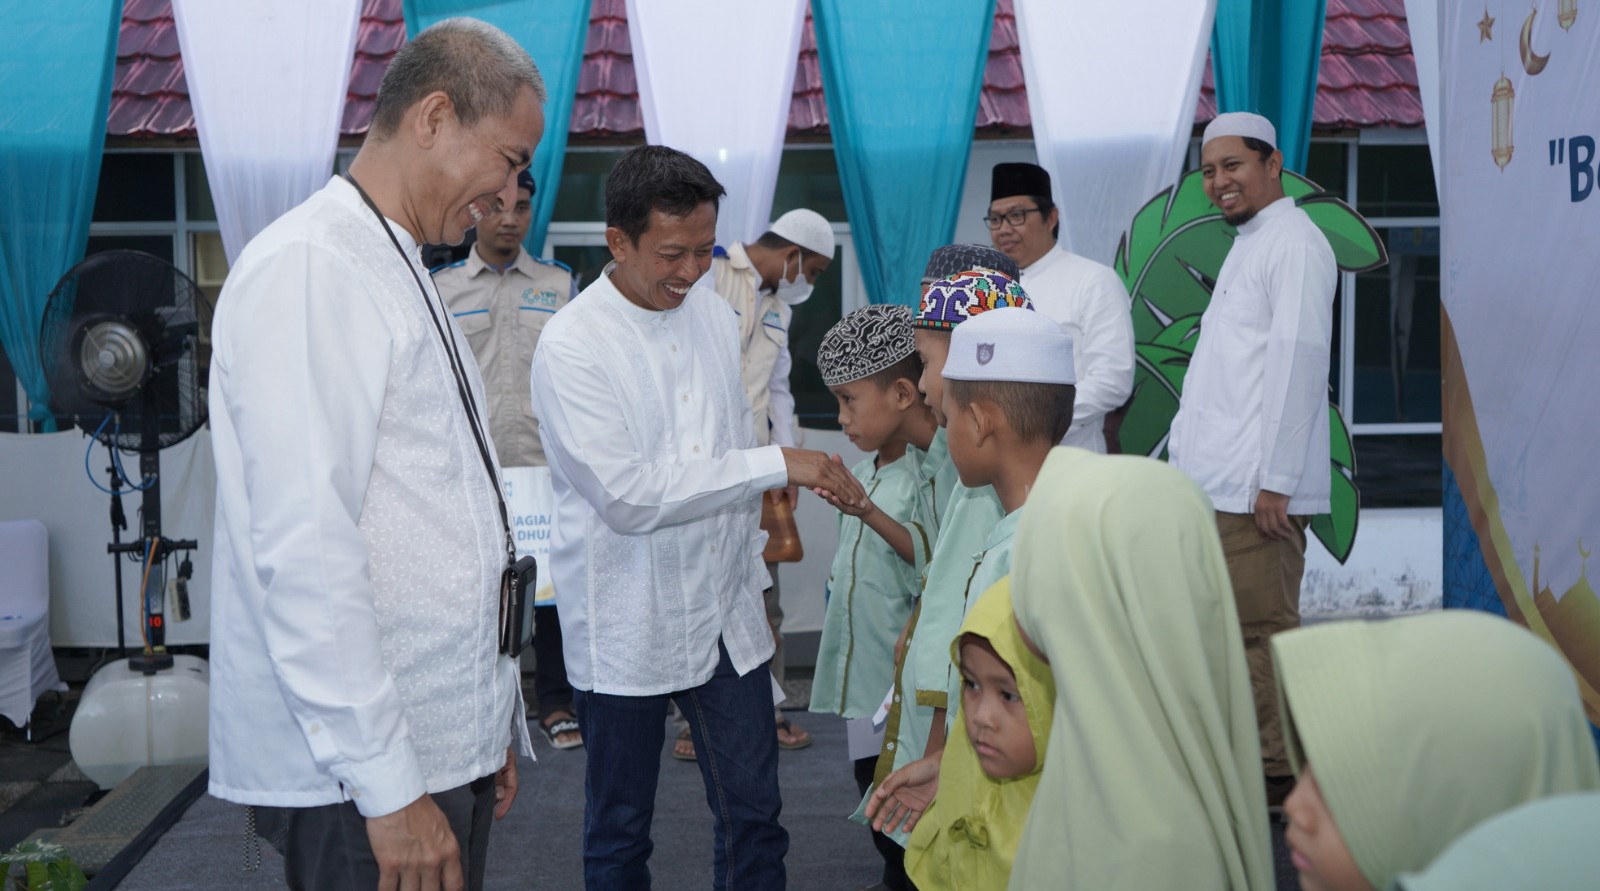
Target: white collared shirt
[[1254, 410], [656, 551], [358, 544], [1089, 301]]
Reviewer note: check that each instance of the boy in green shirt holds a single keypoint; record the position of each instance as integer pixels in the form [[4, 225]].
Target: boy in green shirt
[[868, 361]]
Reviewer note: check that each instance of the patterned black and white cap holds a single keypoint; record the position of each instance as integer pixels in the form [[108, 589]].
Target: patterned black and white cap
[[864, 343], [953, 258]]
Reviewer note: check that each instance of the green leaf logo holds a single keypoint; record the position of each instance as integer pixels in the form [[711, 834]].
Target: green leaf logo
[[1169, 260]]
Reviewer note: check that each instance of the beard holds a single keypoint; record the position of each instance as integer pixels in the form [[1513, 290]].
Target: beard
[[1239, 219]]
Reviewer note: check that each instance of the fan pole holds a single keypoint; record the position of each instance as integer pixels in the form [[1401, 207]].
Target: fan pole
[[119, 522]]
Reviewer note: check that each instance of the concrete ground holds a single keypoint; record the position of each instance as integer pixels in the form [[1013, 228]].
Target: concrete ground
[[538, 845]]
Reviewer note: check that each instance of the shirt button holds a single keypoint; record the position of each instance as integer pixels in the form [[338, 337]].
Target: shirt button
[[696, 448], [674, 348], [686, 397], [889, 745], [897, 700]]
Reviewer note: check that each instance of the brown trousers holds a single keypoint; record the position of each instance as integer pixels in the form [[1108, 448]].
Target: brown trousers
[[1266, 590]]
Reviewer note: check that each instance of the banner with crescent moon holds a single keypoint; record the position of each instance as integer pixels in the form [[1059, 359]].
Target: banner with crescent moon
[[1521, 228]]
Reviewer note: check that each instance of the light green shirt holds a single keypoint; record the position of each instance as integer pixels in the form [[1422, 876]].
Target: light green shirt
[[994, 564], [871, 591]]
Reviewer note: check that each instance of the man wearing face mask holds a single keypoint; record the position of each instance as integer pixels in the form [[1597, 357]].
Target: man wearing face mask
[[764, 281]]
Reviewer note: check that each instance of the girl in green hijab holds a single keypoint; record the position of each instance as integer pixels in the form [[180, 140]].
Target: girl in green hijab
[[990, 767], [1406, 733], [1548, 844], [1152, 776]]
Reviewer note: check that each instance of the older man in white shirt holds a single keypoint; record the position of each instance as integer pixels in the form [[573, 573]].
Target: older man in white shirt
[[656, 552], [1082, 296], [359, 696], [1252, 423]]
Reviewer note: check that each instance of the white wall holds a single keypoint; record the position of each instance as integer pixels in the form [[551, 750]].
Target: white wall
[[42, 476]]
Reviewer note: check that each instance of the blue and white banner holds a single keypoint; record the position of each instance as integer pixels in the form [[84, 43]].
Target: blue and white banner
[[1521, 222], [532, 505]]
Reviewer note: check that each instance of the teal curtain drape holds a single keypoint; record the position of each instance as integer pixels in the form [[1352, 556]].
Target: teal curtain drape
[[1264, 58], [554, 33], [902, 89], [56, 62]]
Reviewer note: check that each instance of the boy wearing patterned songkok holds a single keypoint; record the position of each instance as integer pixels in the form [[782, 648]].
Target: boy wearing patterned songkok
[[869, 363], [916, 724]]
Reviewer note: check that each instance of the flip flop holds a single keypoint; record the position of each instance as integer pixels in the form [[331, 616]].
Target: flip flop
[[800, 737], [555, 729], [683, 747]]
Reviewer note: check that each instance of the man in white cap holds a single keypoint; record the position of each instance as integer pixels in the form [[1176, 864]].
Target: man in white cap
[[1084, 297], [764, 281], [1252, 423]]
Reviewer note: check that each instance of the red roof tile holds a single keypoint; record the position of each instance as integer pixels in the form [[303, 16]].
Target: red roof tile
[[1367, 76]]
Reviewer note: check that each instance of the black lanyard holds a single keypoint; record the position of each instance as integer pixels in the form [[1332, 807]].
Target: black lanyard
[[456, 366]]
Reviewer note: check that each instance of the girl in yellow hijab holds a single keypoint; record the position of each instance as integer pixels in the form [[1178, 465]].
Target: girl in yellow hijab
[[1404, 734], [990, 767], [1152, 776]]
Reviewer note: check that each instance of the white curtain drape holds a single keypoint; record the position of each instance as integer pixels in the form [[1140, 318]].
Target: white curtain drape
[[1112, 89], [715, 79], [1422, 20], [267, 81]]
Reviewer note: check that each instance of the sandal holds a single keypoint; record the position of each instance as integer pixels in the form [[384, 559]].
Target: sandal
[[562, 724], [798, 738], [683, 747]]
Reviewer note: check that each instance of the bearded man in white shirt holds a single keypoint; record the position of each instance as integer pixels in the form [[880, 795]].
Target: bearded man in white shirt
[[656, 550], [1252, 423], [1085, 297], [360, 697]]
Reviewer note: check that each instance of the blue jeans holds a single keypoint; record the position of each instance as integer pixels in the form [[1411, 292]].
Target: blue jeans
[[730, 718]]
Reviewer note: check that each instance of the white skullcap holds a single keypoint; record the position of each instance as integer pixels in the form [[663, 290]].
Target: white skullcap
[[1010, 344], [806, 228], [1241, 123]]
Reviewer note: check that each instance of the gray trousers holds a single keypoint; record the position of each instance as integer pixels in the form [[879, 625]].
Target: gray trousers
[[327, 848]]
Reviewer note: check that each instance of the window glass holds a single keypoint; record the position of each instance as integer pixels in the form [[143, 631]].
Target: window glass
[[197, 189], [1399, 471], [135, 187], [1327, 165], [1395, 352], [10, 419], [1396, 181], [582, 197], [159, 245]]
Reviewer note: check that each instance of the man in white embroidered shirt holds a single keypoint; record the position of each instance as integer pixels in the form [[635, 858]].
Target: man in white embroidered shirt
[[1083, 296], [359, 698], [1252, 423], [656, 551]]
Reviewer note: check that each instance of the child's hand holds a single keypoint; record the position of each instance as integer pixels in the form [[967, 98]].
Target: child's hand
[[852, 508], [904, 796]]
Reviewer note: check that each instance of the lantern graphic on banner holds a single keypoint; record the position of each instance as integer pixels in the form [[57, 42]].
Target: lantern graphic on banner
[[1501, 101], [1566, 14]]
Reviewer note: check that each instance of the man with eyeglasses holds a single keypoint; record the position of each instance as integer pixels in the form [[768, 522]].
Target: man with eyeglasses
[[1084, 297]]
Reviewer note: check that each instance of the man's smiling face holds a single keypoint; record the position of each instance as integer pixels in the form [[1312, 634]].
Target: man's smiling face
[[1238, 180]]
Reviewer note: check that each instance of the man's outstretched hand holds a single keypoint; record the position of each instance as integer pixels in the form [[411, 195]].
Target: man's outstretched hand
[[816, 470]]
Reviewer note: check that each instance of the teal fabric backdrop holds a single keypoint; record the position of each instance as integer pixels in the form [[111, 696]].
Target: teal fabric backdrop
[[56, 61], [1264, 58], [553, 32], [902, 87]]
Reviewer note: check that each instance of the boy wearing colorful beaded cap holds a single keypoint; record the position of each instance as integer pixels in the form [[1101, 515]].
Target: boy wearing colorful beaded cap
[[916, 724], [1008, 389], [868, 361]]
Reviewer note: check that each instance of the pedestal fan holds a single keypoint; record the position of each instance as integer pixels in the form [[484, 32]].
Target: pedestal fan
[[123, 347]]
